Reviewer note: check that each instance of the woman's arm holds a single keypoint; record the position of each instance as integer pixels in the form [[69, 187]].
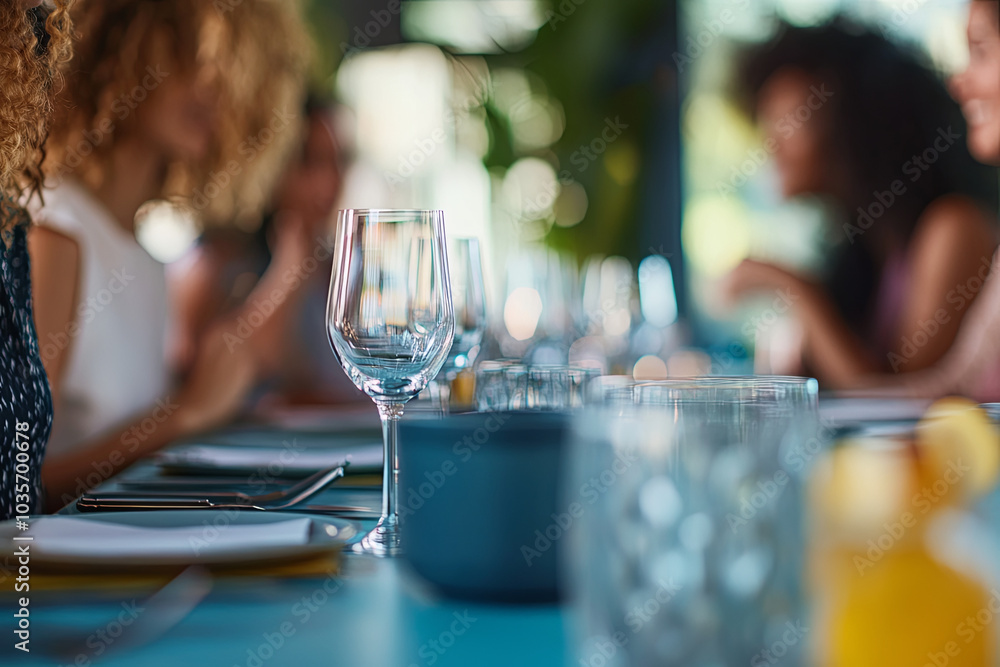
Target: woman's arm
[[282, 286], [55, 280], [949, 259], [975, 352], [197, 299], [835, 353]]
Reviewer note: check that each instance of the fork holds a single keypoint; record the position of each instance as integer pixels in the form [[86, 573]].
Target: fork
[[276, 500]]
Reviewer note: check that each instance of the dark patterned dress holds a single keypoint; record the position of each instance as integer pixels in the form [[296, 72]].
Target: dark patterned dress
[[25, 399]]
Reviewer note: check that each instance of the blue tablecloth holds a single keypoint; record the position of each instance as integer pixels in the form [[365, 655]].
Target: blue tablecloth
[[373, 613]]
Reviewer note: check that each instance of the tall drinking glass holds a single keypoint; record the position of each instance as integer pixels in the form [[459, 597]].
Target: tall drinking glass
[[687, 550], [390, 322]]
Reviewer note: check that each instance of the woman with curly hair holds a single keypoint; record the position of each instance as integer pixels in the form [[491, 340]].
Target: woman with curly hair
[[972, 366], [166, 99], [35, 44], [884, 144]]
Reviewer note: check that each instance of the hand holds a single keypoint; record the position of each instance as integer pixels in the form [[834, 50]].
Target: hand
[[293, 243], [224, 372], [234, 354], [753, 276], [280, 290]]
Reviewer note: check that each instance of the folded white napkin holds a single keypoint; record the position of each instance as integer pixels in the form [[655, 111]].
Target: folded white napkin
[[79, 538], [273, 460]]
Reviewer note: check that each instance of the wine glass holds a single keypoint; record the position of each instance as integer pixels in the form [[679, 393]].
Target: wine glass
[[391, 323], [468, 297], [538, 312]]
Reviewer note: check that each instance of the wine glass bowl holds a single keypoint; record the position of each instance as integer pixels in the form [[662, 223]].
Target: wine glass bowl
[[390, 322]]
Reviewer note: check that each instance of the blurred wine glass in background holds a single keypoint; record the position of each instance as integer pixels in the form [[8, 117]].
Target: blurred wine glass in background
[[468, 296], [608, 313], [539, 298]]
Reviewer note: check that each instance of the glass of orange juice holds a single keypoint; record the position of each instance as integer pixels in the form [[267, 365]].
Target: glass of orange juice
[[896, 563]]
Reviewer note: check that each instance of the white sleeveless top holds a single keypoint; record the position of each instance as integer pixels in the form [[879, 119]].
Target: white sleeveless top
[[117, 366]]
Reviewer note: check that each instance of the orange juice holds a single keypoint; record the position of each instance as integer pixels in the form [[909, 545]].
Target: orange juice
[[910, 611], [882, 597]]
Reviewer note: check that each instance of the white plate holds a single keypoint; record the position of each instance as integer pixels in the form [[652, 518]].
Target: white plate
[[173, 538]]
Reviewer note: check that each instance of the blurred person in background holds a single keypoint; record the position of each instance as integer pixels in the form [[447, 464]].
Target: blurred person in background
[[885, 146], [36, 44], [220, 273], [163, 101], [972, 366]]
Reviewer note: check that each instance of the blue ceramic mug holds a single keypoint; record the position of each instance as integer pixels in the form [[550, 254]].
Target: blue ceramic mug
[[478, 503]]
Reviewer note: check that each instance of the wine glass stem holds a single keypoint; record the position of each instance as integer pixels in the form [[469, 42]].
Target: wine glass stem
[[390, 412]]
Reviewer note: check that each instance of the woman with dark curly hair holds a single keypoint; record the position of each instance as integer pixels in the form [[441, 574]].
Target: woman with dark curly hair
[[166, 100], [972, 366], [885, 145], [35, 44]]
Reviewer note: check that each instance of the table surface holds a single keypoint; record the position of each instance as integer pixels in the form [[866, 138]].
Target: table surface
[[374, 612]]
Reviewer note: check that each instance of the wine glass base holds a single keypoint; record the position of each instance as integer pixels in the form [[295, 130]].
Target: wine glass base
[[381, 542]]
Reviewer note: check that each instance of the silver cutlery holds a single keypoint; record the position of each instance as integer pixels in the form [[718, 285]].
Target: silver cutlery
[[342, 511], [190, 484], [198, 485], [277, 500]]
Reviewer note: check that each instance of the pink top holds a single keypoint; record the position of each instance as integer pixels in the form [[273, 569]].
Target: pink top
[[892, 290]]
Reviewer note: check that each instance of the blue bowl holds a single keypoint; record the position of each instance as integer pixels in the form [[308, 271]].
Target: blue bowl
[[477, 493]]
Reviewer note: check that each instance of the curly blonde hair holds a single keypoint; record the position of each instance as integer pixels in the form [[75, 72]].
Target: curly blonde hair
[[30, 62], [259, 46]]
